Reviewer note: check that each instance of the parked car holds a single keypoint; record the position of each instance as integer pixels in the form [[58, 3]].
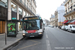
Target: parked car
[[59, 27], [66, 27], [50, 26], [71, 28], [62, 27]]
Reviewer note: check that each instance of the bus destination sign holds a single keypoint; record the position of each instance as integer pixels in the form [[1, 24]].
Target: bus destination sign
[[31, 18]]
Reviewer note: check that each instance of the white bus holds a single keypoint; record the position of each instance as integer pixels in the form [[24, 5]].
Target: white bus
[[32, 26]]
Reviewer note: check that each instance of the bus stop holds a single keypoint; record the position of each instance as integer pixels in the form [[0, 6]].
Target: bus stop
[[12, 28]]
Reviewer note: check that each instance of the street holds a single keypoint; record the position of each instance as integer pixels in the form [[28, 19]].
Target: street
[[53, 39]]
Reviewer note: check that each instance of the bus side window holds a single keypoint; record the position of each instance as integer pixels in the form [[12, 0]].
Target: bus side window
[[24, 26], [41, 23]]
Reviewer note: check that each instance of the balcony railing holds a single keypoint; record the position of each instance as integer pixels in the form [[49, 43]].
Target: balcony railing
[[26, 6], [69, 12]]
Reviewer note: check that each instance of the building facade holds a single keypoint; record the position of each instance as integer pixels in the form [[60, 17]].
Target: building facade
[[52, 20], [61, 12], [69, 9], [56, 18], [15, 9]]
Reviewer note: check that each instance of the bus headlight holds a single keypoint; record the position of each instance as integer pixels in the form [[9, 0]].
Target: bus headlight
[[40, 33], [23, 33]]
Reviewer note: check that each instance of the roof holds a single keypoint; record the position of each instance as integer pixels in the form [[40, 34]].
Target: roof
[[52, 16]]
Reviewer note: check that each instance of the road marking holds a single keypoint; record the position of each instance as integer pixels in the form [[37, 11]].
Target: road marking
[[33, 41], [28, 46], [48, 45], [46, 36]]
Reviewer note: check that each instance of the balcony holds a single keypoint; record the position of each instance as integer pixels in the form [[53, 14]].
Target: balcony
[[70, 12], [24, 6]]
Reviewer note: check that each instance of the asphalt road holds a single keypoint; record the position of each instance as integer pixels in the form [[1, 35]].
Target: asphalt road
[[53, 39]]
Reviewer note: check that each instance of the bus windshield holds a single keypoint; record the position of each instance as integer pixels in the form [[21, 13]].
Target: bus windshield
[[32, 25]]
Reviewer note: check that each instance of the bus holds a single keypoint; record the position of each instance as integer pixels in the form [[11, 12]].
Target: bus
[[32, 26]]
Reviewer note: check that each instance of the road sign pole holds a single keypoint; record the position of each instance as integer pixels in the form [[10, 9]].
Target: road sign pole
[[5, 39]]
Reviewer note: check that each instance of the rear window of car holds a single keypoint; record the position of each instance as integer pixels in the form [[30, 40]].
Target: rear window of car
[[73, 26]]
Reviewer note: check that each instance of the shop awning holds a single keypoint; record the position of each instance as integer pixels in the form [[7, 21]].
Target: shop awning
[[69, 21], [65, 21], [72, 22]]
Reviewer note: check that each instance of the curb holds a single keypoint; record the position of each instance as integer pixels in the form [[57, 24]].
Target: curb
[[12, 44]]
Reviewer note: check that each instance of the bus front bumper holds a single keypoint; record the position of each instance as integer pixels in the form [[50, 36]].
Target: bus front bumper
[[33, 34]]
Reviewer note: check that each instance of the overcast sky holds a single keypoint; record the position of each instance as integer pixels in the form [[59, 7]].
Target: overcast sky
[[47, 7]]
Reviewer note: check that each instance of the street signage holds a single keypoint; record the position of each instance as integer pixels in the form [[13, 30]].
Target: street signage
[[13, 18]]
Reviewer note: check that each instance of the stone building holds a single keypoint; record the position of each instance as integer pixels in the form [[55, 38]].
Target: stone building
[[56, 18], [69, 9], [52, 20], [15, 9]]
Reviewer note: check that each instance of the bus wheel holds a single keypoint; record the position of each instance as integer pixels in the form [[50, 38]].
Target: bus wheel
[[24, 36], [40, 36]]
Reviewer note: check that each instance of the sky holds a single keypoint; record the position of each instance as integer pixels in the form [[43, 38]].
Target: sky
[[47, 7]]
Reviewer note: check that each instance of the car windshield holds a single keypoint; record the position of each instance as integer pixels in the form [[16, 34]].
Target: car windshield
[[66, 26], [33, 25]]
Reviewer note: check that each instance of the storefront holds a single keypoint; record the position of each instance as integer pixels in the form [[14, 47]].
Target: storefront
[[72, 22], [3, 18], [67, 22], [2, 27]]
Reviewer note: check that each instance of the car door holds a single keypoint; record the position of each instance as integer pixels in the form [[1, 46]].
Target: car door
[[70, 28]]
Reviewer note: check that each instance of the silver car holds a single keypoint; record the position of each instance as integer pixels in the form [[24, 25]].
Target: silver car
[[66, 28], [62, 27]]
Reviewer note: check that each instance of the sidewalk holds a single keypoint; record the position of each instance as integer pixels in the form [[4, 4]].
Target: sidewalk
[[10, 40]]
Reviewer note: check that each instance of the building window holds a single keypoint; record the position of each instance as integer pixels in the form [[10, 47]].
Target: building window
[[71, 1], [24, 13], [3, 3], [66, 10], [20, 1], [74, 5], [66, 18], [13, 7], [20, 11], [68, 3], [71, 7], [24, 2], [72, 17]]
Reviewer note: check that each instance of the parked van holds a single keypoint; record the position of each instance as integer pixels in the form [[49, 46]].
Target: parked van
[[71, 28]]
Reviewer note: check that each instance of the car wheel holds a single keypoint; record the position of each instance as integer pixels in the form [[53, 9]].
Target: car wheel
[[71, 31], [68, 30]]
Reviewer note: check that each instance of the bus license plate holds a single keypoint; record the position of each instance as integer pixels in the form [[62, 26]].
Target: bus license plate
[[31, 36]]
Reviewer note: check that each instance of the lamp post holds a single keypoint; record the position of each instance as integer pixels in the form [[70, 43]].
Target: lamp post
[[6, 23]]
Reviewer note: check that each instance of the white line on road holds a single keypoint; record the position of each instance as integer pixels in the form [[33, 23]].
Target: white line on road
[[48, 45], [46, 36]]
